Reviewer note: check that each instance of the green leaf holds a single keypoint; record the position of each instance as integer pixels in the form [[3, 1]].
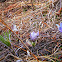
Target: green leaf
[[60, 46], [4, 34], [5, 41], [7, 35], [33, 44]]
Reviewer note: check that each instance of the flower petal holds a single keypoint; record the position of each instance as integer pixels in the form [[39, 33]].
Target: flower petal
[[34, 35], [57, 26], [38, 33], [14, 28], [61, 24], [60, 29]]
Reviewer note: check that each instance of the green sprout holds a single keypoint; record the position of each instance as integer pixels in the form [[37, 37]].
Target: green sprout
[[5, 38], [33, 44]]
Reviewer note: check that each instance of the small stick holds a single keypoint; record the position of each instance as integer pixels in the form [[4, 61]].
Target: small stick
[[2, 58]]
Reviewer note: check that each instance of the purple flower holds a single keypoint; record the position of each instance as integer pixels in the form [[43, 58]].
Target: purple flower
[[59, 27], [34, 35], [14, 28]]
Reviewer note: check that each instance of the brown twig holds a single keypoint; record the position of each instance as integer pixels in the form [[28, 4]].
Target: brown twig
[[19, 47], [2, 58], [13, 56]]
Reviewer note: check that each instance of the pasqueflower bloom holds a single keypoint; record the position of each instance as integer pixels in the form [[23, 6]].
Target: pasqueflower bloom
[[34, 35], [14, 28], [59, 27]]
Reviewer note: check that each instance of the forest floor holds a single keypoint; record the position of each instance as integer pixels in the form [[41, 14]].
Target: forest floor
[[19, 19]]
